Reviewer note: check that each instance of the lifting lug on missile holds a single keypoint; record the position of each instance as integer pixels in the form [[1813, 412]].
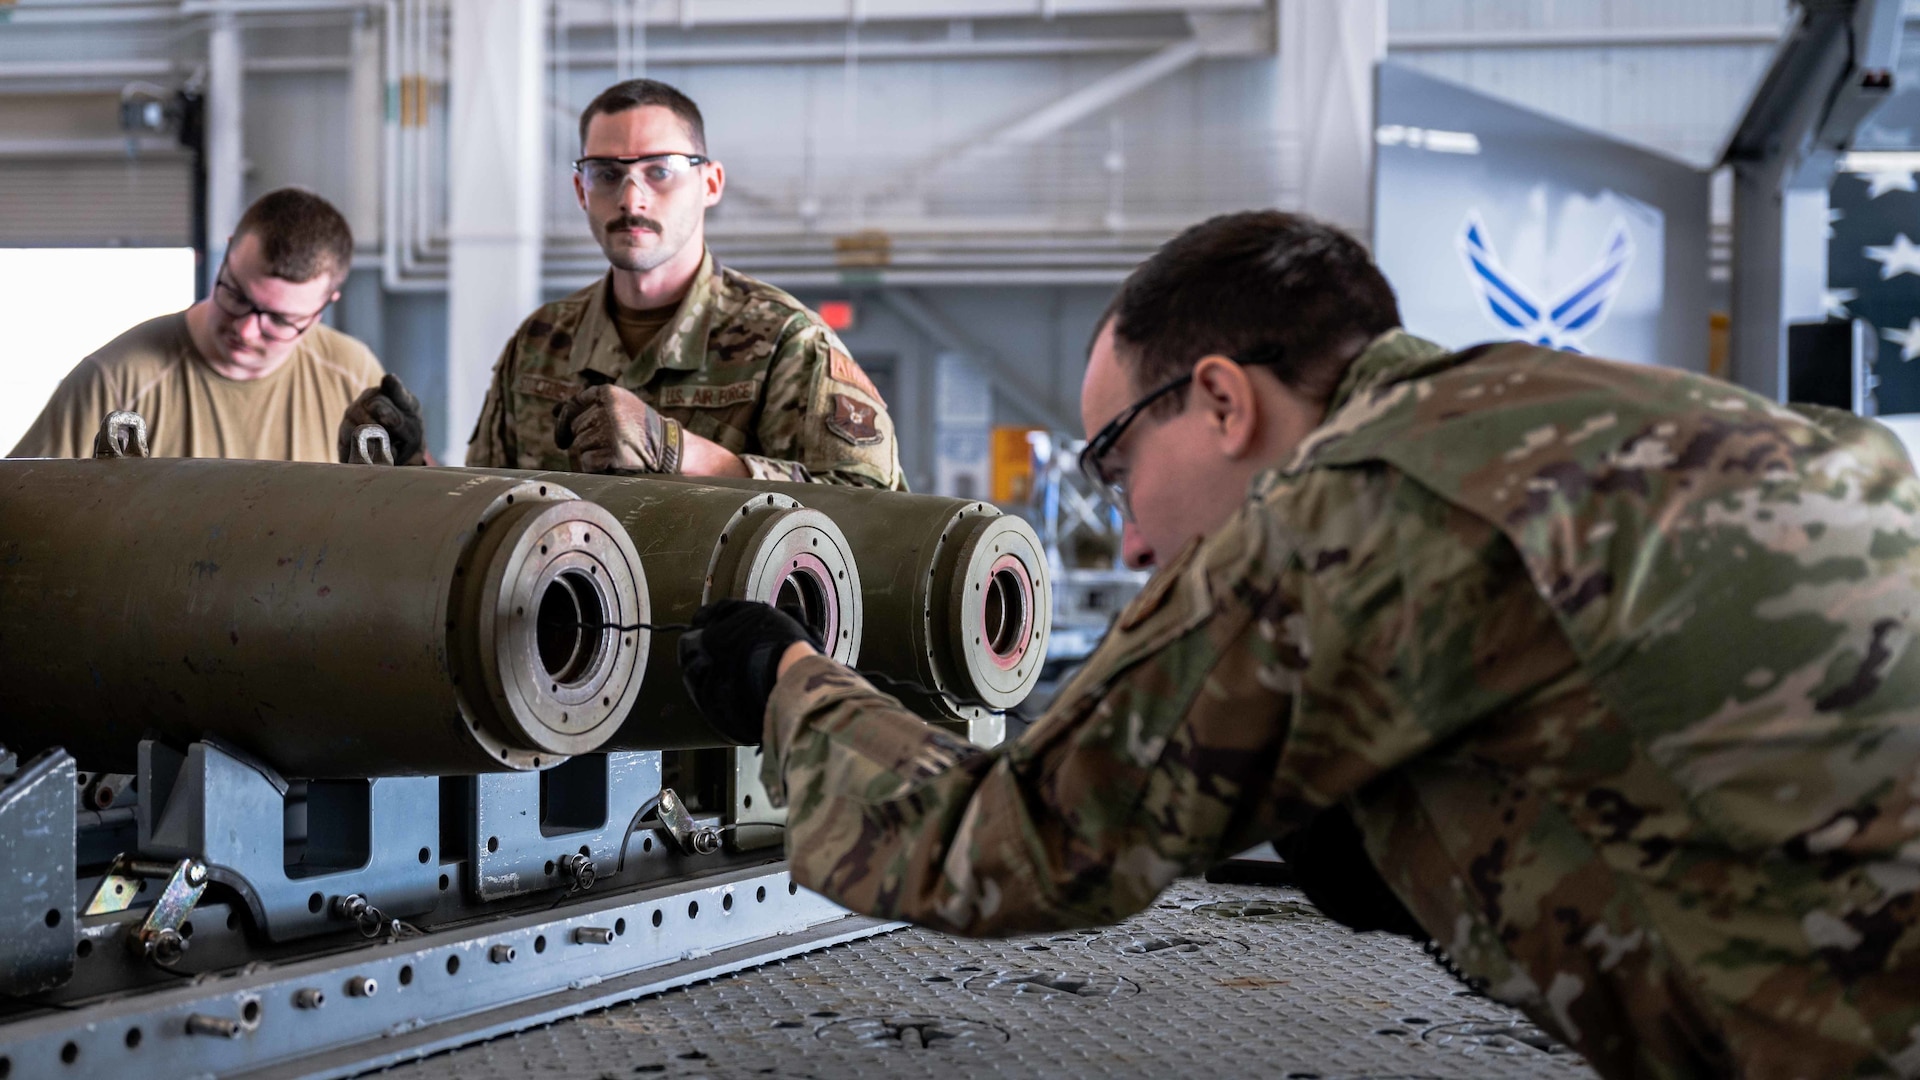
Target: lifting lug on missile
[[371, 446]]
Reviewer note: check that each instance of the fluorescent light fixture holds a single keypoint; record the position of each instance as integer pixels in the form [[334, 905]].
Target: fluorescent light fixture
[[1437, 140], [1880, 161]]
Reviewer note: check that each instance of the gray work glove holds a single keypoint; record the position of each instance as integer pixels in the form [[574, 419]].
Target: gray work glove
[[392, 406], [607, 429]]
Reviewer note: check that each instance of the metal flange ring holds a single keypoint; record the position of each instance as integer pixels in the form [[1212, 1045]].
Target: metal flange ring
[[799, 561], [561, 576], [999, 609]]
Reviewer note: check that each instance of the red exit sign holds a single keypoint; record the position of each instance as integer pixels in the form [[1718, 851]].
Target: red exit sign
[[837, 314]]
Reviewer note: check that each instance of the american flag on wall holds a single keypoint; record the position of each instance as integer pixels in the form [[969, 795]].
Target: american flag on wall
[[1873, 268]]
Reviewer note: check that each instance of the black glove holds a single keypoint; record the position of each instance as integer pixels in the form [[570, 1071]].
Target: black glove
[[731, 659], [392, 406], [1328, 856]]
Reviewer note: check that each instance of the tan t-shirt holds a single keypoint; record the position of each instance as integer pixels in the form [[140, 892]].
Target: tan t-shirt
[[193, 411], [638, 327]]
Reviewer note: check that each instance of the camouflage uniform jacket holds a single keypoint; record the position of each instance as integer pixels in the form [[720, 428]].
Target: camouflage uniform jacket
[[1614, 666], [742, 363]]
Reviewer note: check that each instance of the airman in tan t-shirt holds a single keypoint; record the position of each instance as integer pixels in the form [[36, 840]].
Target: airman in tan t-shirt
[[193, 411], [250, 371]]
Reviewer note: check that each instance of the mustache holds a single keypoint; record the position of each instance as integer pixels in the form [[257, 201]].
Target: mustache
[[633, 221]]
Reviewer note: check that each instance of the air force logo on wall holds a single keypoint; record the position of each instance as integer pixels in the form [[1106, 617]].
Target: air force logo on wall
[[1559, 322]]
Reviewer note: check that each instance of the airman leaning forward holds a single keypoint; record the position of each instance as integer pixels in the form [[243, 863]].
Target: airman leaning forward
[[1610, 670]]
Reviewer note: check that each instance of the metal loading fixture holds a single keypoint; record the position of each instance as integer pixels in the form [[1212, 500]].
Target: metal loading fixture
[[957, 594], [702, 543], [244, 599]]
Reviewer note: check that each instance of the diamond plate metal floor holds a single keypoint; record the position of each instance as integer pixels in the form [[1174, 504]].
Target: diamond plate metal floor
[[1225, 981]]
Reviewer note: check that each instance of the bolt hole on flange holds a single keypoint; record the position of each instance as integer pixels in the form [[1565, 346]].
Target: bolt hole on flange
[[569, 651]]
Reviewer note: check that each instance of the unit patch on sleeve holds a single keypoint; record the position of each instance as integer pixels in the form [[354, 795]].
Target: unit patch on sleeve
[[853, 420]]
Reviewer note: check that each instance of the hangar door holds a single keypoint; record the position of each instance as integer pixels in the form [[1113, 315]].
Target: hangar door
[[71, 177], [95, 199]]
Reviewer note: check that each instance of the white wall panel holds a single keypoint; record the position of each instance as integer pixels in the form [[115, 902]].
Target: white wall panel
[[297, 129], [1680, 98], [1410, 15], [96, 201]]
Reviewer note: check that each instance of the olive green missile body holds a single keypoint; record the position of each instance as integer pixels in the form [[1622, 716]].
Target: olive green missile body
[[332, 620], [701, 543], [957, 596]]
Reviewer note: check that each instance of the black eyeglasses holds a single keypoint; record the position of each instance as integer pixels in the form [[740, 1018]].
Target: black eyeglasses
[[1093, 463], [239, 306]]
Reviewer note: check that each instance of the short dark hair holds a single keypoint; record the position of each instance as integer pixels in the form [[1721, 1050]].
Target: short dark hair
[[301, 235], [1263, 283], [635, 93]]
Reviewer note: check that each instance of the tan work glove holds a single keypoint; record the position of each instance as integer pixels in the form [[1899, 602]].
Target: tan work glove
[[392, 406], [605, 429]]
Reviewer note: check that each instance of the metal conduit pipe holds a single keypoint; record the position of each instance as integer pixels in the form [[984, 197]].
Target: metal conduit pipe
[[398, 273], [402, 179], [428, 53]]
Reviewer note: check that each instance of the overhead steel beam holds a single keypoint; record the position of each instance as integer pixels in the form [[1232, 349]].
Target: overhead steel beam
[[689, 13], [102, 69], [64, 13], [86, 147], [1033, 127], [1010, 383], [870, 52], [108, 70], [1099, 94], [1574, 37], [1833, 67]]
